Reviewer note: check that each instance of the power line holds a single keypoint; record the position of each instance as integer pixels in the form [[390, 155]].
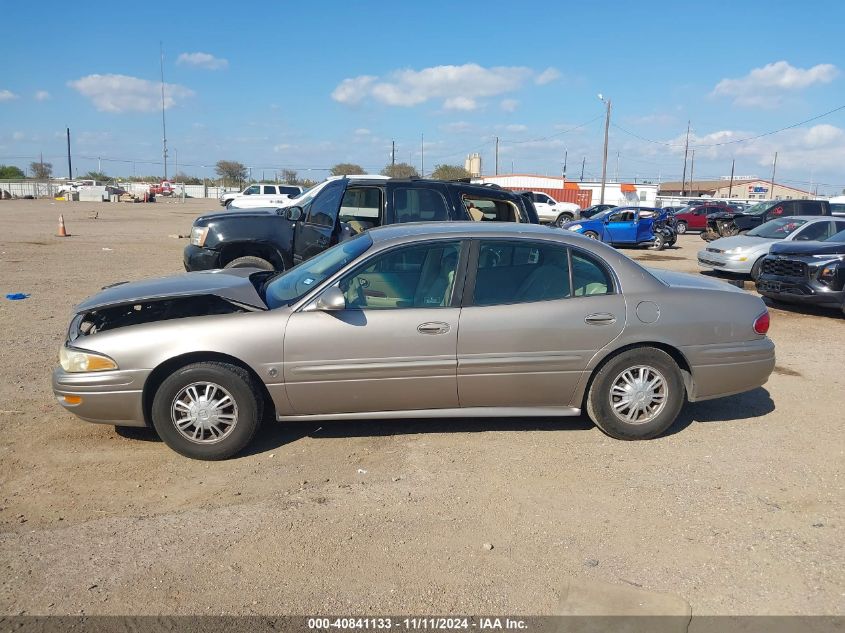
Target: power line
[[546, 138], [735, 141]]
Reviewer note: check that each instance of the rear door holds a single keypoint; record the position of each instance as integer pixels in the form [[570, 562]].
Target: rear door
[[317, 229], [533, 316]]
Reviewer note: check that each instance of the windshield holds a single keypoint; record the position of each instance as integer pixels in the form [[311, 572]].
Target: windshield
[[602, 214], [289, 286], [758, 208], [777, 229], [836, 237]]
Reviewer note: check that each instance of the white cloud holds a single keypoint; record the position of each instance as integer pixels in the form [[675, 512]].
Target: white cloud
[[456, 127], [202, 60], [362, 131], [516, 127], [121, 93], [42, 95], [283, 147], [763, 87], [509, 105], [18, 136], [460, 103], [459, 87], [7, 95], [547, 76]]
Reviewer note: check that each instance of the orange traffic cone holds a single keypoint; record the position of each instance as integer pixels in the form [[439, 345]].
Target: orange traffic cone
[[62, 232]]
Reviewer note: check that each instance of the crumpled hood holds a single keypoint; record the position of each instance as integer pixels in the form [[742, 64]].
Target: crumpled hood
[[686, 280], [232, 284], [745, 242]]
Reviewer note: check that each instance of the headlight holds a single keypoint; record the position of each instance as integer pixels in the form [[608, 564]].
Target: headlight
[[198, 234], [75, 360], [734, 251], [574, 227]]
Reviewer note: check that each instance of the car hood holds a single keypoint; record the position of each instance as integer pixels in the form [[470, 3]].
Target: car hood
[[205, 220], [724, 215], [745, 242], [809, 248], [231, 284], [686, 280], [585, 224]]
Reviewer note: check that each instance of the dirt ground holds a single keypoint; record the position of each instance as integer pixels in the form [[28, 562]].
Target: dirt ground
[[738, 509]]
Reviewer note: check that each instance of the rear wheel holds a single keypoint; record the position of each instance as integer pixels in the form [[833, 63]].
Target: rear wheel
[[637, 395], [207, 411], [659, 243], [591, 234], [250, 261], [681, 228]]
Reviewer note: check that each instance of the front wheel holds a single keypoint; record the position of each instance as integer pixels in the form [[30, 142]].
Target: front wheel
[[207, 411], [250, 261], [562, 219], [591, 234], [637, 395], [682, 228], [755, 269]]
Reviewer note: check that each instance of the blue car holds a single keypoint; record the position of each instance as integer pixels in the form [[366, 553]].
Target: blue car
[[634, 226]]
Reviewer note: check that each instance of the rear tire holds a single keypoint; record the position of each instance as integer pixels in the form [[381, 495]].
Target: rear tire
[[659, 243], [637, 395], [196, 397], [250, 261], [681, 228]]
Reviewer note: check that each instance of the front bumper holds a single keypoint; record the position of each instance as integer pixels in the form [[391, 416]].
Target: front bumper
[[104, 397], [800, 290], [720, 261], [200, 258]]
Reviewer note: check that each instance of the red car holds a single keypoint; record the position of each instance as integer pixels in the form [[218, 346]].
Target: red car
[[694, 217]]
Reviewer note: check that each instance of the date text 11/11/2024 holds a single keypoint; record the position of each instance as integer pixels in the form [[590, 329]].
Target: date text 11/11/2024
[[416, 623]]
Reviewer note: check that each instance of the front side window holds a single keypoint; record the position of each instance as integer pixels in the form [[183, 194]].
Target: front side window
[[419, 205], [543, 198], [421, 276], [816, 231], [626, 215], [323, 209], [251, 190], [520, 272]]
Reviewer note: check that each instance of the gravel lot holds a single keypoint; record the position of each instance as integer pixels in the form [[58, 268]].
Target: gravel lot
[[739, 509]]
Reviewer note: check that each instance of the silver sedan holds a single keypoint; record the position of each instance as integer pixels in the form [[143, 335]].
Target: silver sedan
[[413, 321], [744, 253]]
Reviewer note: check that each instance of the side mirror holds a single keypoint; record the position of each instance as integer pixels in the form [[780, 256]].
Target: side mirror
[[294, 214], [330, 299]]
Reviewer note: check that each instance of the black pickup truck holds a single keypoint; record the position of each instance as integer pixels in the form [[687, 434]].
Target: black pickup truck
[[727, 223], [276, 239]]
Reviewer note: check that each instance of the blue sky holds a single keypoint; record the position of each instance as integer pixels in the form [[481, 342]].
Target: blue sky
[[306, 85]]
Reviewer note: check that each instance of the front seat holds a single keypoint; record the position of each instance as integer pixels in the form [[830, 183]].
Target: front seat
[[437, 279]]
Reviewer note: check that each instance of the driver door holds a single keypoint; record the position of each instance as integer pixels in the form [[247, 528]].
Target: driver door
[[317, 229], [621, 226], [392, 348]]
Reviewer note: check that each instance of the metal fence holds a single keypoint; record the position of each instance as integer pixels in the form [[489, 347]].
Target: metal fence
[[39, 189]]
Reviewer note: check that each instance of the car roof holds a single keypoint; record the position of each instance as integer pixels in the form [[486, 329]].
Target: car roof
[[464, 229]]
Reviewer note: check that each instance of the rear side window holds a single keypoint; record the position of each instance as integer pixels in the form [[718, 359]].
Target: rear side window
[[490, 210], [289, 190], [419, 205], [588, 276], [521, 272], [269, 189], [810, 207]]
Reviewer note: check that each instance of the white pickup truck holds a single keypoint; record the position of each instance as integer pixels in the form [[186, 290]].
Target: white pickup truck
[[262, 194], [550, 210]]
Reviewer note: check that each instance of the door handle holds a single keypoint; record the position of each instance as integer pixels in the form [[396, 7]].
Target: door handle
[[435, 327], [600, 318]]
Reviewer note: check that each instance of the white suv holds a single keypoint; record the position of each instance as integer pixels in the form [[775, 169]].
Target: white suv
[[291, 191]]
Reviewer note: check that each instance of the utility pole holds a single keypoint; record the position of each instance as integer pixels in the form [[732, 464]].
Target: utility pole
[[691, 168], [497, 157], [604, 159], [731, 186], [774, 166], [686, 151], [69, 169], [422, 156], [163, 125], [583, 161], [617, 167], [565, 159], [392, 153]]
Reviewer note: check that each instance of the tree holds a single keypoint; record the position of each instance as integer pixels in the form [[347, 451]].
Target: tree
[[185, 179], [346, 169], [231, 171], [449, 172], [97, 175], [400, 170], [41, 171], [10, 172], [289, 176]]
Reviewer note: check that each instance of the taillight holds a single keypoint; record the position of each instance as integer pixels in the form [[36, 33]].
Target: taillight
[[761, 323]]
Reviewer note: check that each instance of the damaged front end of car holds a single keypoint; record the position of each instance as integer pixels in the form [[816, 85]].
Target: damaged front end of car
[[720, 225]]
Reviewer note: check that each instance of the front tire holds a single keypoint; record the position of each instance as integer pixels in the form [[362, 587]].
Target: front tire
[[755, 269], [637, 395], [250, 261], [659, 243], [208, 411], [681, 228], [591, 234], [562, 219]]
